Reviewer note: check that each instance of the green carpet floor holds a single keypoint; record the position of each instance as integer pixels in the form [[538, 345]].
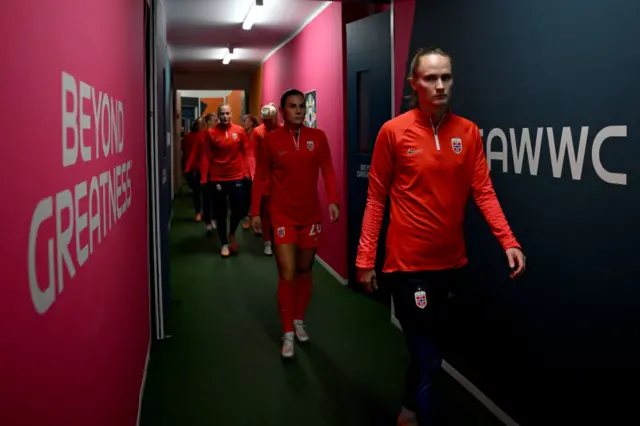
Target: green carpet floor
[[222, 365]]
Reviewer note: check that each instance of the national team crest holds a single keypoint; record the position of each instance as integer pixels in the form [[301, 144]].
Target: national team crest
[[281, 232], [310, 145], [421, 299], [234, 136], [456, 144]]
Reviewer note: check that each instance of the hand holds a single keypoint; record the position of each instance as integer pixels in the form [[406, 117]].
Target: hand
[[334, 212], [367, 277], [517, 261], [256, 224]]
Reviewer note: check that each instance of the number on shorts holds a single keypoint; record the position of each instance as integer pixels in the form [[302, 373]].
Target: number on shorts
[[315, 229]]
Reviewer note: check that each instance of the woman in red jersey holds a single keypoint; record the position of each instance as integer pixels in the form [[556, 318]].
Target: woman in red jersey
[[249, 123], [222, 165], [190, 143], [427, 162], [289, 162], [193, 164], [269, 114]]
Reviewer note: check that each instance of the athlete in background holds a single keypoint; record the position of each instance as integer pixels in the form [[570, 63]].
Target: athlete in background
[[191, 142], [222, 164], [193, 163], [428, 161], [289, 161], [269, 114], [249, 123]]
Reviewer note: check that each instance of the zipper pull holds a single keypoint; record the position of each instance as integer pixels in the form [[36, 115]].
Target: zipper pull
[[435, 134]]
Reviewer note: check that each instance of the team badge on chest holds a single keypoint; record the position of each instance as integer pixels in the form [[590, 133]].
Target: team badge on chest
[[310, 145], [234, 136], [456, 144], [421, 299]]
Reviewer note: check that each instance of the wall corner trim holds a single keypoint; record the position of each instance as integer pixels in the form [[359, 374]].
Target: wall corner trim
[[292, 36], [332, 271], [470, 387], [144, 382]]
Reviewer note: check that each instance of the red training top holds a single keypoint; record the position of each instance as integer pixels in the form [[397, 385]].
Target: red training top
[[191, 145], [428, 172], [222, 156], [255, 141], [290, 167]]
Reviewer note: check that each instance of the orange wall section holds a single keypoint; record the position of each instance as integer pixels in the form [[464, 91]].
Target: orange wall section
[[212, 105], [255, 96], [235, 100]]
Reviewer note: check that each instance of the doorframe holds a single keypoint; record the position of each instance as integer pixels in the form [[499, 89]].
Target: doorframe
[[156, 311]]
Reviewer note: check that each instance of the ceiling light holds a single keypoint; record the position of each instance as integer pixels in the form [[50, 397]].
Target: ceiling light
[[251, 14], [227, 56]]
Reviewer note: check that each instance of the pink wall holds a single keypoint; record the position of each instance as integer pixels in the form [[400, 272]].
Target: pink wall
[[314, 60], [75, 322], [403, 11]]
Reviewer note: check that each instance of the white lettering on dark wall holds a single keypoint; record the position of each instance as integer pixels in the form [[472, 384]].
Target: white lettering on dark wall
[[85, 213], [562, 147], [363, 173]]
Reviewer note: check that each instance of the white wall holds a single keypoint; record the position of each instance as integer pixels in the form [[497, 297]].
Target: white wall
[[205, 93], [207, 81]]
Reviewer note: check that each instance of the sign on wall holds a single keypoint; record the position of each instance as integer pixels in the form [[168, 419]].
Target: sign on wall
[[311, 113], [74, 309]]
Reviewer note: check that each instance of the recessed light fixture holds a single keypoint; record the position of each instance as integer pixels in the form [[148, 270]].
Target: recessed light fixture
[[251, 14], [227, 56]]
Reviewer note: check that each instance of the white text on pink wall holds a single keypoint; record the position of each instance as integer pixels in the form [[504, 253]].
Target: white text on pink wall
[[74, 221]]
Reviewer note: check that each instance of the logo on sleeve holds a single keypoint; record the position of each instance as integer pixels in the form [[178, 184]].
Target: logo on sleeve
[[456, 144], [411, 151], [310, 145]]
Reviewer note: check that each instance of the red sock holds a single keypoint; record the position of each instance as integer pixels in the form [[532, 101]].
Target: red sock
[[286, 303], [303, 295]]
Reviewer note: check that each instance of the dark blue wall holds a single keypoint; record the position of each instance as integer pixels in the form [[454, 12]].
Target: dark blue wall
[[565, 337]]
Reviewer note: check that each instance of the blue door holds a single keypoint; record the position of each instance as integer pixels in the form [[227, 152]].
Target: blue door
[[368, 108]]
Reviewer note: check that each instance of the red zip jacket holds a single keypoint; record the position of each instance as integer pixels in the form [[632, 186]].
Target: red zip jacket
[[292, 174], [428, 174], [192, 145], [255, 142], [222, 156]]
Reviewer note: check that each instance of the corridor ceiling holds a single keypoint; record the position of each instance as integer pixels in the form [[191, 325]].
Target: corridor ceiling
[[198, 31]]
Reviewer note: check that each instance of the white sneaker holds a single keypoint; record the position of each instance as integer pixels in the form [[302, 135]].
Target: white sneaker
[[287, 345], [301, 333], [267, 248]]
